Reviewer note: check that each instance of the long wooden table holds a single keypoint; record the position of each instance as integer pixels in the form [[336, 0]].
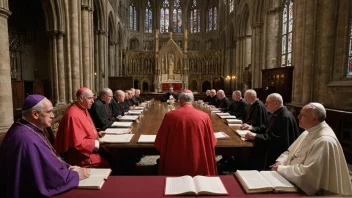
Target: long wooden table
[[153, 186], [151, 120]]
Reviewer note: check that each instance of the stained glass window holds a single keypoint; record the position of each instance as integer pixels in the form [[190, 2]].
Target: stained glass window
[[148, 18], [349, 62], [177, 16], [195, 18], [286, 39], [133, 17], [164, 17], [212, 17], [231, 5]]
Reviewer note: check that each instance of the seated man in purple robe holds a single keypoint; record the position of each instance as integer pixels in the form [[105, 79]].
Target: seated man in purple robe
[[30, 165]]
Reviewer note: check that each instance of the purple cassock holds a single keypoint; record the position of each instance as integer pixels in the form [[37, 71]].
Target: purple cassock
[[29, 166]]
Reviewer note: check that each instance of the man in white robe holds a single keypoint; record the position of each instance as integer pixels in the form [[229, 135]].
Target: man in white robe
[[315, 161]]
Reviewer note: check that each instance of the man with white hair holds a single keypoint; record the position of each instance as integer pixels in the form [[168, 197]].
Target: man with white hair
[[257, 114], [118, 104], [315, 161], [213, 98], [100, 111], [133, 98], [274, 136], [186, 141], [223, 102], [138, 97]]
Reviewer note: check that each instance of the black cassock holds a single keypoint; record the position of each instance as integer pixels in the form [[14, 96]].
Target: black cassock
[[257, 114], [224, 104], [117, 108], [239, 109], [274, 137], [101, 115], [167, 96], [213, 100]]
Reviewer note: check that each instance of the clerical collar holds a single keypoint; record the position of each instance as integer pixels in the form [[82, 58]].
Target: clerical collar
[[80, 106], [316, 127], [33, 124]]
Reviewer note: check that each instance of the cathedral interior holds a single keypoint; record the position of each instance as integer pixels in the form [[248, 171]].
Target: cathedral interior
[[301, 49]]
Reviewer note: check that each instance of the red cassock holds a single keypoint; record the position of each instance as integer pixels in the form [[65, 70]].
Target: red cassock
[[186, 143], [75, 138]]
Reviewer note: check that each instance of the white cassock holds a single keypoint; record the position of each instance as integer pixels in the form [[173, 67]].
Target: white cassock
[[315, 163]]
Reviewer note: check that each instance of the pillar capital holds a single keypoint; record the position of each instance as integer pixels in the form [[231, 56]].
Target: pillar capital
[[5, 13]]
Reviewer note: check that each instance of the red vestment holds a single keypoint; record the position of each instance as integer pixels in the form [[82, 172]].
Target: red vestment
[[76, 137], [186, 143]]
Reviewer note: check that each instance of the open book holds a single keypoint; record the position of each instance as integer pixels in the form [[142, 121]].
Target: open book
[[198, 185], [146, 139], [96, 179], [264, 181], [124, 138], [128, 117], [117, 131], [134, 112], [220, 135]]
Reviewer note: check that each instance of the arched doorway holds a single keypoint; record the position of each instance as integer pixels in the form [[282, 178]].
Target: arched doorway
[[218, 83], [194, 85], [145, 87], [135, 84], [205, 86]]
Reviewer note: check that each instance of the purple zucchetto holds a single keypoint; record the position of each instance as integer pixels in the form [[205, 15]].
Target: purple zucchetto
[[31, 101]]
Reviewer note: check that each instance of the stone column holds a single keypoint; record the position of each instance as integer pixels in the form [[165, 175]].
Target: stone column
[[74, 32], [117, 61], [61, 68], [85, 45], [101, 68], [272, 38], [111, 61], [54, 68], [6, 106], [256, 55]]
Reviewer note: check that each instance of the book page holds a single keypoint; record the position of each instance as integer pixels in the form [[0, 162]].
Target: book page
[[220, 135], [179, 185], [117, 131], [209, 185], [277, 181], [146, 139], [92, 182], [253, 181], [234, 121], [134, 112], [228, 117], [223, 114], [102, 172], [122, 124], [124, 138], [128, 117]]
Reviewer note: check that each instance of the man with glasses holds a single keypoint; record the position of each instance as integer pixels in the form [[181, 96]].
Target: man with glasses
[[315, 161], [100, 112], [77, 137]]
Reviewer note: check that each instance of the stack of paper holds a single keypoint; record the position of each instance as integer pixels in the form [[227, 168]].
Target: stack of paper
[[146, 139], [117, 131], [135, 112], [235, 126], [124, 138], [128, 117], [234, 121], [122, 124], [228, 117], [223, 114], [220, 135]]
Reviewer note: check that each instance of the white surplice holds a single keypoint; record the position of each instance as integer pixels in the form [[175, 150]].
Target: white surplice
[[316, 164]]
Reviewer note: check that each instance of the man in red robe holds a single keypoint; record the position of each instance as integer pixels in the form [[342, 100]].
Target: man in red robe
[[186, 141], [77, 138]]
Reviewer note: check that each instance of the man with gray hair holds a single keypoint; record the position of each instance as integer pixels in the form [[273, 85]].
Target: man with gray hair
[[186, 141], [274, 136], [30, 165], [315, 161], [101, 112], [207, 97], [223, 102], [239, 106], [118, 105], [257, 114], [213, 98]]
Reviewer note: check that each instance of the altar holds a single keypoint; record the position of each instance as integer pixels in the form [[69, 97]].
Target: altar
[[172, 67]]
